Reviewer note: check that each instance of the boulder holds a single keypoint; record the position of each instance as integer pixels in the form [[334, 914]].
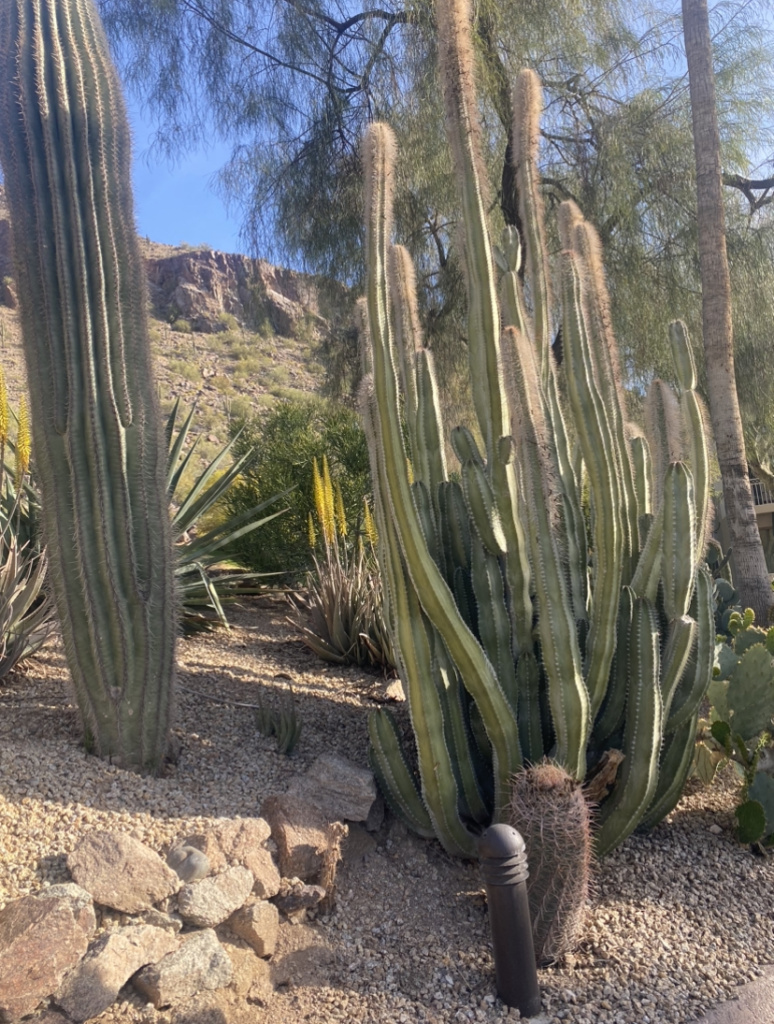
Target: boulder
[[200, 963], [258, 924], [93, 985], [267, 876], [80, 902], [300, 832], [41, 938], [339, 789], [121, 872], [240, 841], [209, 902]]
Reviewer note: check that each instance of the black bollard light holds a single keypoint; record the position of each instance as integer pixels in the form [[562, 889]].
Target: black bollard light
[[503, 859]]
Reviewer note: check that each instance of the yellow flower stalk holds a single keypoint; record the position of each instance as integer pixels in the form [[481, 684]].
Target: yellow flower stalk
[[311, 532], [3, 408], [369, 526], [341, 517], [23, 442], [328, 518]]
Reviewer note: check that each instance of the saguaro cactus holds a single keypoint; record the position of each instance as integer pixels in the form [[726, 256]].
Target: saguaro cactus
[[64, 143], [527, 623]]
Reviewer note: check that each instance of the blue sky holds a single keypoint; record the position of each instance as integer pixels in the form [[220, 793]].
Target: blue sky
[[176, 202]]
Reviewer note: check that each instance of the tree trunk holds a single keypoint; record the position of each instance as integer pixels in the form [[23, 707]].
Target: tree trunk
[[751, 576]]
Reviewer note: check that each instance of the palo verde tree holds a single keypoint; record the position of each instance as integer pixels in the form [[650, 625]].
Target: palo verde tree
[[292, 86]]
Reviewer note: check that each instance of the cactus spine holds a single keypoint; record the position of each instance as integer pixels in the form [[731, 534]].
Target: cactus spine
[[526, 628], [64, 142]]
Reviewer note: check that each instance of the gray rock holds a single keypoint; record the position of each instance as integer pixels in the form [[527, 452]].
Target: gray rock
[[189, 863], [93, 985], [299, 830], [339, 789], [121, 872], [200, 963], [41, 938], [209, 902], [157, 918], [258, 924], [295, 896]]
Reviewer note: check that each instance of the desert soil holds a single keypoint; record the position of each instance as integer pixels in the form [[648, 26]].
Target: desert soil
[[678, 917]]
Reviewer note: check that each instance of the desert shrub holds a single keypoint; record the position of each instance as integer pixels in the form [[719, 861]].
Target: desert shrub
[[182, 326], [287, 439], [342, 614]]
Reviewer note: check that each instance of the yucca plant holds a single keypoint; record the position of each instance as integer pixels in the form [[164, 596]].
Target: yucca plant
[[26, 608], [202, 590], [344, 601]]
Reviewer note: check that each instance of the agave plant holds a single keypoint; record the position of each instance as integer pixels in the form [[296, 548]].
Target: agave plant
[[26, 608], [344, 601], [203, 591]]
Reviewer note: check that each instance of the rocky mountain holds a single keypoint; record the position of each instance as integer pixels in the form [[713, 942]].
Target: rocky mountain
[[205, 287]]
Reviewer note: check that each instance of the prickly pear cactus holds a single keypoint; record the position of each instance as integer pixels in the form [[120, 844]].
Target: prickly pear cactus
[[550, 811], [741, 723]]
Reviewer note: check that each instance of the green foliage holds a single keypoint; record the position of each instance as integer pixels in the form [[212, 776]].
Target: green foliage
[[202, 591], [616, 139], [523, 627], [286, 440], [182, 326], [740, 728], [65, 144]]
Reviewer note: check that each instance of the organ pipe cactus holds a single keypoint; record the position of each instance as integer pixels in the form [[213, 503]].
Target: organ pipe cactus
[[526, 623], [99, 447]]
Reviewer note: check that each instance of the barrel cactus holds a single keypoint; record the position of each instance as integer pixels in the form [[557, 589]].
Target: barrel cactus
[[528, 622], [99, 447]]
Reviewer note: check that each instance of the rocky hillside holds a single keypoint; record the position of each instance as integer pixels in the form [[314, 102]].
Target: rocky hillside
[[231, 333]]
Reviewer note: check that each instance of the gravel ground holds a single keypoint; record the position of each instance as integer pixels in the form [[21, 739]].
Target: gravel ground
[[678, 917]]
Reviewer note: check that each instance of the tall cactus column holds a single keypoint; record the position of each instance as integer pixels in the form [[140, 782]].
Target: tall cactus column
[[64, 145]]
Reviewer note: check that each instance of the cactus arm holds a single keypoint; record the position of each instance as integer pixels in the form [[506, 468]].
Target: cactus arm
[[680, 641], [389, 765], [567, 692], [637, 780], [431, 589], [598, 446], [679, 540], [482, 508], [698, 674], [455, 54], [455, 528], [494, 625], [693, 421], [408, 334], [611, 714], [452, 694], [64, 143], [429, 458], [418, 671], [675, 767], [648, 572], [530, 723], [604, 356], [517, 568], [527, 106]]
